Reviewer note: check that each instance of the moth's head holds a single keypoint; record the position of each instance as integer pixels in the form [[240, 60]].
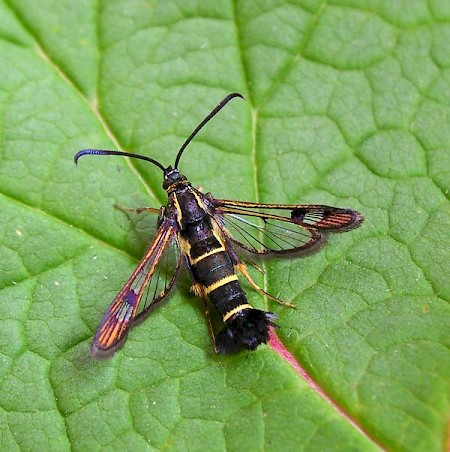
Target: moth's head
[[173, 179]]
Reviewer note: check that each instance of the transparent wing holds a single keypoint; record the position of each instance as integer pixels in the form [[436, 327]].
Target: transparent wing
[[282, 228], [267, 235], [150, 283]]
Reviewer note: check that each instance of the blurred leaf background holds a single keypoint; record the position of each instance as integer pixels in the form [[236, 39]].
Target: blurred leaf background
[[347, 103]]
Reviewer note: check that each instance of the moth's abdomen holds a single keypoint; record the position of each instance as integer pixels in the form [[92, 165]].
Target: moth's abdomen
[[213, 270], [245, 327]]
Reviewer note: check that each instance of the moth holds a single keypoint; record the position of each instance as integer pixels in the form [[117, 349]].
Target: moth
[[210, 236]]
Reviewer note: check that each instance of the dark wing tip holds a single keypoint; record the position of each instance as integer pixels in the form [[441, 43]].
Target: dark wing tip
[[100, 353], [357, 219], [325, 218]]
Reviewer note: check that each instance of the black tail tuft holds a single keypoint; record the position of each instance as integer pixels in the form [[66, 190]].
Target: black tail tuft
[[246, 329]]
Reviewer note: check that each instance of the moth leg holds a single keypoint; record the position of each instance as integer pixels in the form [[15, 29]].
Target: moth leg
[[243, 269], [254, 265], [210, 327], [198, 290], [138, 210]]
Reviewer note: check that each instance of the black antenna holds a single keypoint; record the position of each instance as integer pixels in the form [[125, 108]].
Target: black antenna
[[216, 110], [125, 154]]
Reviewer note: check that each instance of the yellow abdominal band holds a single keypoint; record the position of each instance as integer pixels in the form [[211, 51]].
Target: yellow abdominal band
[[220, 283], [237, 309]]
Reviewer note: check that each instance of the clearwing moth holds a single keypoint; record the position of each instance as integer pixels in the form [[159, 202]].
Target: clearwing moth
[[211, 237]]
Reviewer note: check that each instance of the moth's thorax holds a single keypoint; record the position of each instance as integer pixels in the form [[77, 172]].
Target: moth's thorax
[[189, 205]]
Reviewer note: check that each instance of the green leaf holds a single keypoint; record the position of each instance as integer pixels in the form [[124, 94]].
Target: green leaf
[[347, 103]]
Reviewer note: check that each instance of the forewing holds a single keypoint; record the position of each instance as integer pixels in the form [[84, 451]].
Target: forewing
[[282, 228], [149, 284]]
